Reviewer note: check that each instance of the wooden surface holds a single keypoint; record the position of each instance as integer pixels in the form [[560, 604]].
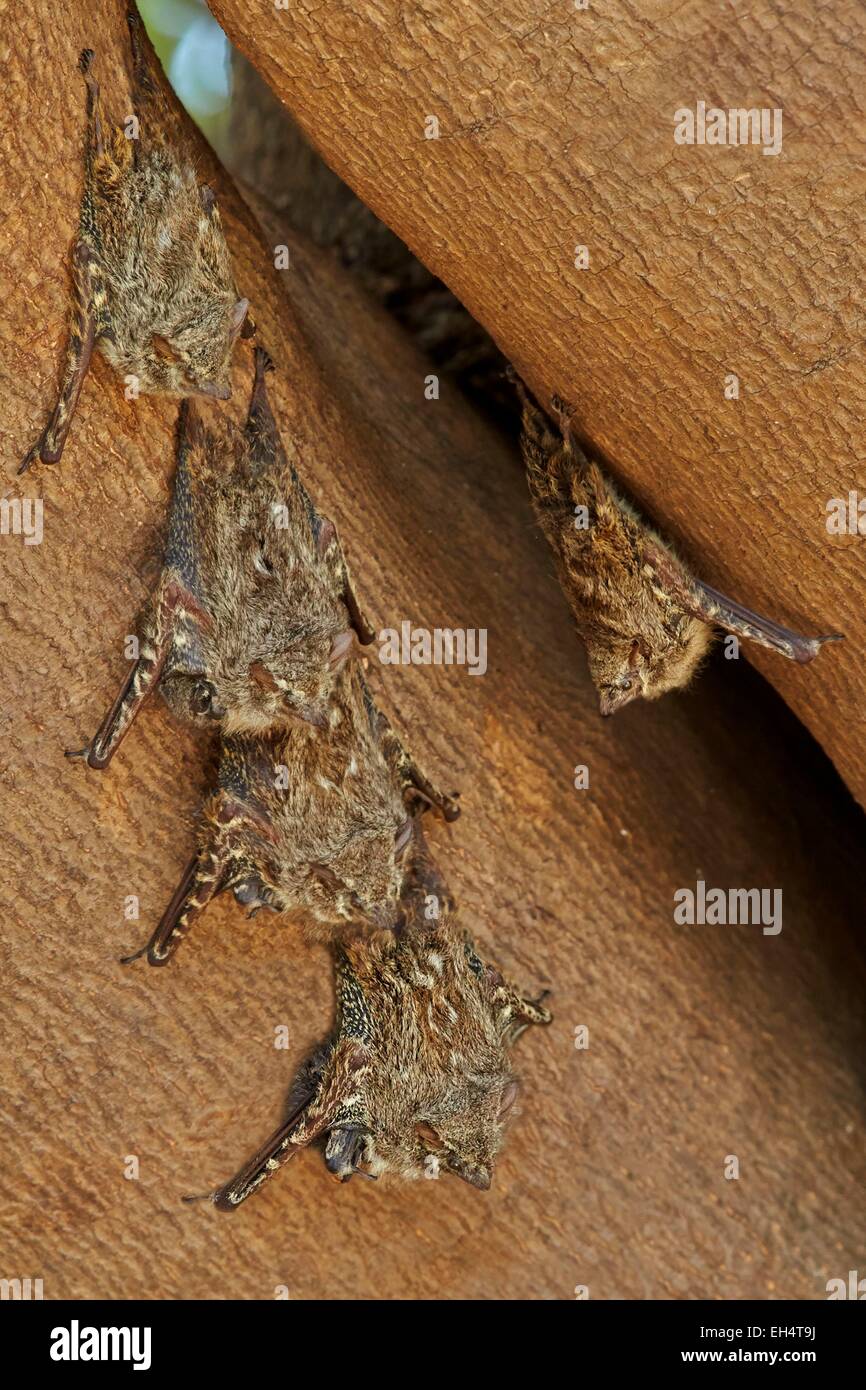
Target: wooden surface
[[556, 131], [704, 1041]]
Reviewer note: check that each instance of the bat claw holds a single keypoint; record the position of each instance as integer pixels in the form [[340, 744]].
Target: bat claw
[[73, 753], [200, 1197], [136, 955], [29, 458]]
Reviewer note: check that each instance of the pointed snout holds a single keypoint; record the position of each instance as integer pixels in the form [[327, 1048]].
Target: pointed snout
[[260, 676], [476, 1174], [214, 390], [384, 916], [612, 699]]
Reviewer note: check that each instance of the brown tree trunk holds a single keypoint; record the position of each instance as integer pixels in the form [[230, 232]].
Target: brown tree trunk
[[704, 1041], [556, 131]]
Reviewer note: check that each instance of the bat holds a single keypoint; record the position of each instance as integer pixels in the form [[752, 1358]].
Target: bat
[[646, 622], [254, 613], [416, 1079], [153, 286], [308, 820]]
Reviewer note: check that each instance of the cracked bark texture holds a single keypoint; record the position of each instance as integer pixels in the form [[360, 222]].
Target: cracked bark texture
[[265, 150], [704, 1041], [556, 131]]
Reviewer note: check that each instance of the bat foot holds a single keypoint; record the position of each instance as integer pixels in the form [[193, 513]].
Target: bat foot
[[85, 61], [806, 651]]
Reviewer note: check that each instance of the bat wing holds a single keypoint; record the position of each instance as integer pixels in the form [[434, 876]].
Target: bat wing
[[712, 607]]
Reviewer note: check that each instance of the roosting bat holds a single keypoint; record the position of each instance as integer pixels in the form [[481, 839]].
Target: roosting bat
[[308, 820], [254, 614], [416, 1079], [153, 287], [646, 621]]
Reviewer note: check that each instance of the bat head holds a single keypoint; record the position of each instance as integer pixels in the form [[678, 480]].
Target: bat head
[[457, 1129], [267, 669], [191, 355], [647, 665], [361, 879], [278, 667], [437, 1088]]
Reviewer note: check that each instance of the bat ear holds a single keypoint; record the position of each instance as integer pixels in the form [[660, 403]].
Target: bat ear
[[710, 606], [238, 317], [340, 649], [509, 1096], [325, 537]]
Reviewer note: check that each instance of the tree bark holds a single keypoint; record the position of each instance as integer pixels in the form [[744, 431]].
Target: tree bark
[[555, 132], [704, 1041]]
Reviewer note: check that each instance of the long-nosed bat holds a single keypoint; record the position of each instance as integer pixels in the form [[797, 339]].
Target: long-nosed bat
[[153, 286], [309, 820], [645, 620], [254, 614], [416, 1079]]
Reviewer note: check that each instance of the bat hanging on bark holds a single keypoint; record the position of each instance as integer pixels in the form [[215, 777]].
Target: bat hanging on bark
[[646, 622], [310, 820], [254, 614], [153, 286], [416, 1079]]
